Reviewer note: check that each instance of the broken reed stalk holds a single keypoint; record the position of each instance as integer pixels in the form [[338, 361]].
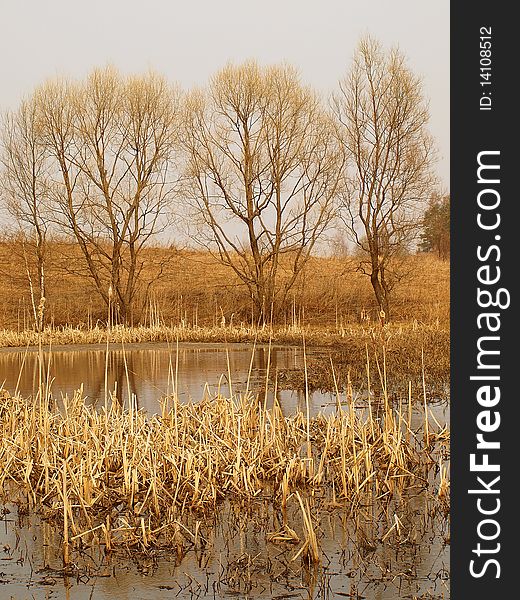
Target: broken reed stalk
[[66, 554], [426, 427], [307, 408], [310, 548]]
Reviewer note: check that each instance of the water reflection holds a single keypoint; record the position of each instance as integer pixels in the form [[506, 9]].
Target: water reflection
[[151, 371], [238, 561]]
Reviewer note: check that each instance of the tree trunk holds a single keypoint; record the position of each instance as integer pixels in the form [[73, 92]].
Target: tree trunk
[[263, 303], [381, 294]]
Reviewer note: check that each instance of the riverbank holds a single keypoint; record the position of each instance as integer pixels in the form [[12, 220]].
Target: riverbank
[[294, 336]]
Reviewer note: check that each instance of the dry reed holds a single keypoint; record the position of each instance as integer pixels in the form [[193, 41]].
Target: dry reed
[[120, 476]]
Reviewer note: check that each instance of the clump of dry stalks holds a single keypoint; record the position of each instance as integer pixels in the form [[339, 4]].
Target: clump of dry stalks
[[120, 476]]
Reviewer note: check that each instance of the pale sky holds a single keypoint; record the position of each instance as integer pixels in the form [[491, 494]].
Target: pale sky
[[189, 40]]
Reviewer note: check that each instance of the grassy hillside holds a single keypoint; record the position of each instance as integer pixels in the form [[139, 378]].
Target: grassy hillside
[[193, 289]]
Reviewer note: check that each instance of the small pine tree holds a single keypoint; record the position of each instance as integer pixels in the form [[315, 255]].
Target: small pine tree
[[435, 236]]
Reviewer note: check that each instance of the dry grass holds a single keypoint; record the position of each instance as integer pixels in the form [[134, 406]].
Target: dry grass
[[119, 476], [407, 352], [195, 290], [315, 336]]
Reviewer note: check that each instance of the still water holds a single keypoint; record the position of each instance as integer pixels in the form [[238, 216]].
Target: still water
[[238, 562], [152, 371]]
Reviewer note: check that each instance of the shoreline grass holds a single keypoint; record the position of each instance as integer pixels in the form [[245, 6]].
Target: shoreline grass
[[408, 349], [294, 335]]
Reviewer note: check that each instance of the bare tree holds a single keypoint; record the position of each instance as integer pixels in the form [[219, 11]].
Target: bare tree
[[111, 140], [25, 191], [262, 174], [383, 118]]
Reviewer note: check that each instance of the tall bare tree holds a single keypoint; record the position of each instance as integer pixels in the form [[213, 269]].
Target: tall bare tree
[[383, 125], [262, 174], [111, 140], [25, 192]]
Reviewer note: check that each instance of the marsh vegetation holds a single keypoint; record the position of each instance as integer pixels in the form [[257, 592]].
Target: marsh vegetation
[[118, 479]]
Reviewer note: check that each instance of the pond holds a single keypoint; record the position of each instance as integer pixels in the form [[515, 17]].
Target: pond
[[362, 557], [151, 371]]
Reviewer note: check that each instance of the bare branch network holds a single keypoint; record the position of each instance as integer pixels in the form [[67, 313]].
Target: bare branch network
[[256, 166]]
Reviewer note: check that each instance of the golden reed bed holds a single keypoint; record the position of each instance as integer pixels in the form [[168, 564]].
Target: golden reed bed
[[119, 476]]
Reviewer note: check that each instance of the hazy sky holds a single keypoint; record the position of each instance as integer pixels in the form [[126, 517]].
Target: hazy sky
[[189, 40]]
